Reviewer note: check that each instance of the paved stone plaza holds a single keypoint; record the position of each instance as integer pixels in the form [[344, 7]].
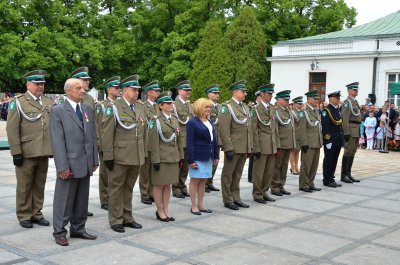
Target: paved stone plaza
[[355, 224]]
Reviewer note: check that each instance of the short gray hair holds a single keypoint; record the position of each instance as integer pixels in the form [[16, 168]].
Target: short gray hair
[[70, 82]]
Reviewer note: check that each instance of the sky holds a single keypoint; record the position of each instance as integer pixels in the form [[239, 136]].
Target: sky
[[370, 10]]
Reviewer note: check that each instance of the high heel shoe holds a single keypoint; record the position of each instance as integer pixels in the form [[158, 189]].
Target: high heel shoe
[[161, 219], [171, 219]]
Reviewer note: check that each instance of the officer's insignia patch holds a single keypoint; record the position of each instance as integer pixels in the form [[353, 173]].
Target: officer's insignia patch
[[59, 102], [223, 109], [151, 124], [327, 136], [251, 113], [109, 111], [98, 109], [346, 104], [12, 105], [301, 114], [324, 113]]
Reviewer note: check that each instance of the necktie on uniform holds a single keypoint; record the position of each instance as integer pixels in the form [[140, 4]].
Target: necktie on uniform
[[132, 108], [79, 113], [39, 101]]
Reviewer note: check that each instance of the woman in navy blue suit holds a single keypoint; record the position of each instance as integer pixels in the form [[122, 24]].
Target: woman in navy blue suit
[[202, 153]]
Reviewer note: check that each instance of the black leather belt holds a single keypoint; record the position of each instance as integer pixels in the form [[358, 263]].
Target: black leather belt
[[356, 122]]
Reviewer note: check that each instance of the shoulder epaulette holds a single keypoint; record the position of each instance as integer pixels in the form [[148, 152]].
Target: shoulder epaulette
[[19, 96]]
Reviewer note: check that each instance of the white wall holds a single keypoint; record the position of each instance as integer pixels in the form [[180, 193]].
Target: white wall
[[294, 75], [385, 66]]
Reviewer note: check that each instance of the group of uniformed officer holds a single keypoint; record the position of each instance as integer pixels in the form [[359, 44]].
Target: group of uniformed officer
[[268, 132]]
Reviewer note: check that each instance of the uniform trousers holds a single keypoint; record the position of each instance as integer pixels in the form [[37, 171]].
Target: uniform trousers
[[183, 173], [121, 181], [31, 180], [103, 181], [308, 168], [330, 163], [263, 171], [145, 187], [280, 170], [230, 178], [350, 147], [71, 199]]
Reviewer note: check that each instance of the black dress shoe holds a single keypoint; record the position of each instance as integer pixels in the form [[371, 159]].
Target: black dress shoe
[[195, 213], [331, 184], [62, 241], [185, 193], [207, 189], [353, 179], [133, 224], [146, 201], [152, 199], [338, 184], [231, 206], [346, 179], [118, 228], [26, 224], [83, 235], [213, 188], [305, 189], [315, 189], [277, 193], [162, 219], [42, 222], [283, 191], [179, 195], [205, 211], [104, 206], [260, 201], [268, 198], [242, 204], [89, 214]]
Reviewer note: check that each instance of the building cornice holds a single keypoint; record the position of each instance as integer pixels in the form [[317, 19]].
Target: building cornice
[[334, 56]]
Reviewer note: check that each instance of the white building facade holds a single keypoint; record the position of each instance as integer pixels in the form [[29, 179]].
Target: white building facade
[[368, 54]]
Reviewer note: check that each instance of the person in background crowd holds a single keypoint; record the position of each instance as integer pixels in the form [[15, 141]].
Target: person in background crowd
[[251, 157], [368, 102], [295, 154], [202, 153], [370, 124], [396, 133], [362, 133], [380, 131], [4, 107]]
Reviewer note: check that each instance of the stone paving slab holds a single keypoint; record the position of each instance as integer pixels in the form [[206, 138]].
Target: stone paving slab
[[392, 239], [370, 215], [370, 255]]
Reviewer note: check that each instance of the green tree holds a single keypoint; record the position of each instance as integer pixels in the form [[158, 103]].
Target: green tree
[[246, 44], [211, 62]]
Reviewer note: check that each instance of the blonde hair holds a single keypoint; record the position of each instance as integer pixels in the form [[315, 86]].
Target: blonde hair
[[199, 105]]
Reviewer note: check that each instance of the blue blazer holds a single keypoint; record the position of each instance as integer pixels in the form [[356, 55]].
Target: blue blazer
[[199, 146]]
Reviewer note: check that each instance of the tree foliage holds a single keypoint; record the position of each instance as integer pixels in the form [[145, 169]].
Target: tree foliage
[[208, 41]]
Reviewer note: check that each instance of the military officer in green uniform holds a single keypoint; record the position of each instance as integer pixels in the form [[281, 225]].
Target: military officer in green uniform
[[351, 113], [236, 136], [122, 140], [83, 74], [294, 155], [112, 87], [183, 111], [265, 144], [213, 95], [287, 137], [251, 157], [152, 90], [310, 142], [29, 138]]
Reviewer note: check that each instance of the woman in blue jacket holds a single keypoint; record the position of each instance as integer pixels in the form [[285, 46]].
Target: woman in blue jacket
[[202, 153]]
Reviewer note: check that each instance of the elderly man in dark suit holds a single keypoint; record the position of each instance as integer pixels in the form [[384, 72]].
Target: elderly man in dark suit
[[73, 139]]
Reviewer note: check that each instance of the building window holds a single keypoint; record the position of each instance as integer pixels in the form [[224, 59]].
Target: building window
[[393, 78]]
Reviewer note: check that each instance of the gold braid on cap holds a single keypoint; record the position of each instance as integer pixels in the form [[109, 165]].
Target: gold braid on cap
[[336, 122]]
